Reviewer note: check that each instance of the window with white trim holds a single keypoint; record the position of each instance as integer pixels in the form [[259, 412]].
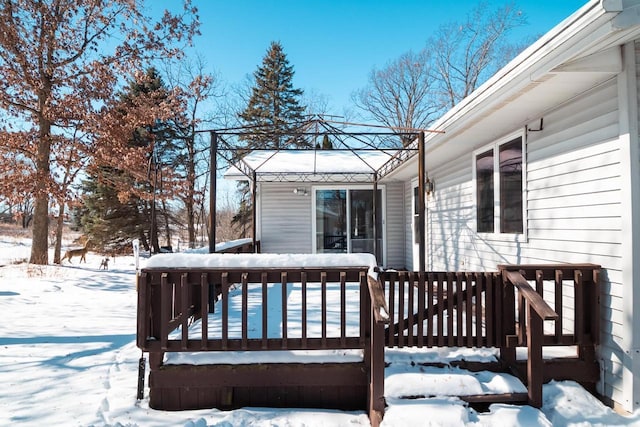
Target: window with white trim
[[499, 189]]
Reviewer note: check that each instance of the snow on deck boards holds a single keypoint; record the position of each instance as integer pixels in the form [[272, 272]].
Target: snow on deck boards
[[404, 376], [407, 376], [274, 356], [274, 324], [406, 380]]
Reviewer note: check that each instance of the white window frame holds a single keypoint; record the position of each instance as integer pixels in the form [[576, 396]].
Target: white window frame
[[415, 246], [495, 146], [383, 191]]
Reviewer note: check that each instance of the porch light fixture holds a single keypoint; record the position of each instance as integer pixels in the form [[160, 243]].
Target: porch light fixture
[[300, 191], [429, 186]]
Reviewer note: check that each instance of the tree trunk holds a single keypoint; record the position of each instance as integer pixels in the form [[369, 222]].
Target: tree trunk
[[153, 232], [40, 242], [59, 226], [189, 205], [167, 222], [191, 183], [191, 229], [144, 242]]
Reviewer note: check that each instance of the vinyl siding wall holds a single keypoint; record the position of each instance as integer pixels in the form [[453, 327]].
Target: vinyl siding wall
[[285, 220], [573, 210], [395, 223]]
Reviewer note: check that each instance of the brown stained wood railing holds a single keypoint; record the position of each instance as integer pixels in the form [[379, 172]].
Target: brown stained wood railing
[[167, 300], [379, 316], [504, 309], [479, 309], [533, 310], [573, 292], [442, 309], [518, 306], [172, 298]]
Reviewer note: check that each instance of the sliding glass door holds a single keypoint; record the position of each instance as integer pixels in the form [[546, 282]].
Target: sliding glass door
[[331, 221], [361, 222], [344, 221]]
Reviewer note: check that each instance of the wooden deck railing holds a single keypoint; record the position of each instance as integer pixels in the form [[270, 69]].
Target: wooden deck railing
[[573, 292], [533, 310], [171, 299], [499, 309], [440, 309], [518, 306]]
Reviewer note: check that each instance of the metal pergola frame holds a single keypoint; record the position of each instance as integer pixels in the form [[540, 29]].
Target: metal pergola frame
[[399, 156]]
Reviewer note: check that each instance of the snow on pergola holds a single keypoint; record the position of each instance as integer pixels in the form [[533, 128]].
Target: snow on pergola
[[358, 157], [340, 165]]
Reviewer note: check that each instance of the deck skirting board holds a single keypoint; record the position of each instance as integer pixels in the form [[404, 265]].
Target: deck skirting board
[[333, 386]]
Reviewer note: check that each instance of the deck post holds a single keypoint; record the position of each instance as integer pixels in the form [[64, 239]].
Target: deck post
[[421, 203], [376, 393], [535, 376], [507, 348], [376, 302], [143, 310]]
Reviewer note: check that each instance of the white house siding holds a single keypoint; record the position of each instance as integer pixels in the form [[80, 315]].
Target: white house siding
[[395, 223], [451, 244], [574, 206], [285, 218], [573, 209]]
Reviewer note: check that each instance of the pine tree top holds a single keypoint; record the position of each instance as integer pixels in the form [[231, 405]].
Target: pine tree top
[[274, 110]]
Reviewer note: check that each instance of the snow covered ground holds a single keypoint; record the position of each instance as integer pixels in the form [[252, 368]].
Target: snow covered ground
[[68, 357]]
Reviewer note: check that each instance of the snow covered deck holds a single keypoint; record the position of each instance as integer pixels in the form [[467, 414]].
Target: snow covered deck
[[261, 318], [309, 330]]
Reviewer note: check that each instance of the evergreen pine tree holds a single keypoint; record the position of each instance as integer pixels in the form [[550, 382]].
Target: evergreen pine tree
[[272, 117], [108, 220], [274, 113], [326, 143], [112, 220]]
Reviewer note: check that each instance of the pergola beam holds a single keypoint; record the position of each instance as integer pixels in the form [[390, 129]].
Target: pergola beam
[[402, 154]]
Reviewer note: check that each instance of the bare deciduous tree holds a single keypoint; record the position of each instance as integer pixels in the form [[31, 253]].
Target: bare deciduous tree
[[60, 61], [468, 53], [416, 88], [197, 88], [401, 94]]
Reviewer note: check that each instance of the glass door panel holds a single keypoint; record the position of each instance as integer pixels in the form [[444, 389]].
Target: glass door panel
[[361, 222], [331, 221]]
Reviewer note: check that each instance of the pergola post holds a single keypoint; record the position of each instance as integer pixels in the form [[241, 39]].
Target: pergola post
[[213, 192], [421, 204], [254, 190], [375, 217]]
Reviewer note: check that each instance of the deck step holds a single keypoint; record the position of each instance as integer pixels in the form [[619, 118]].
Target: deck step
[[415, 381], [518, 398], [482, 399]]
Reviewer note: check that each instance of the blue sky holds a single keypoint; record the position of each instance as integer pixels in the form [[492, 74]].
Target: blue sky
[[333, 44]]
